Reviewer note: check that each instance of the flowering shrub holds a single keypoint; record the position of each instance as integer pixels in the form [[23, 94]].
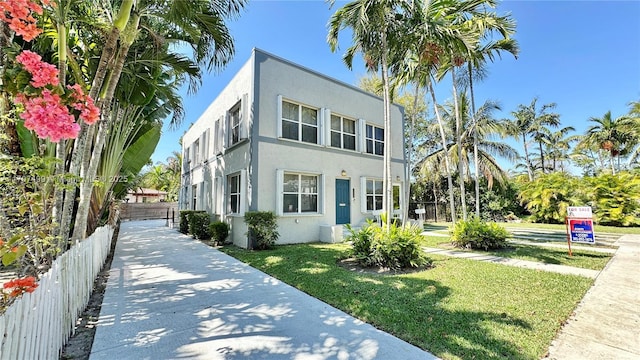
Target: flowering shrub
[[42, 73], [18, 15], [47, 108], [15, 288]]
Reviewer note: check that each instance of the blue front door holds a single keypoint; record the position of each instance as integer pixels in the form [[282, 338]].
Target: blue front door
[[343, 208]]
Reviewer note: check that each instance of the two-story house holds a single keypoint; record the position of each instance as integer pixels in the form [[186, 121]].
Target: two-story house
[[283, 138]]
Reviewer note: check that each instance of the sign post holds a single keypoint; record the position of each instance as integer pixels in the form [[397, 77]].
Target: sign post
[[579, 225]]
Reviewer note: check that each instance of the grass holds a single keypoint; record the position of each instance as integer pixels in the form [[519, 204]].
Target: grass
[[459, 309], [581, 258]]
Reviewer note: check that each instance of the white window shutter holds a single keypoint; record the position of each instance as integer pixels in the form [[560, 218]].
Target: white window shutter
[[362, 135], [279, 116], [244, 117], [205, 145], [243, 191], [322, 195], [327, 125], [217, 196], [219, 135], [225, 127], [279, 191], [363, 194]]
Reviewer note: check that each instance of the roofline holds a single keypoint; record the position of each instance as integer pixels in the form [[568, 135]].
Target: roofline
[[317, 73]]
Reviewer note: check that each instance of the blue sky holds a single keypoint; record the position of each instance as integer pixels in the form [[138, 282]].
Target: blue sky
[[582, 55]]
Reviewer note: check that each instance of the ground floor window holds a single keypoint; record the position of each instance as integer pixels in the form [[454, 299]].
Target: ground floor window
[[374, 194], [300, 193], [233, 182]]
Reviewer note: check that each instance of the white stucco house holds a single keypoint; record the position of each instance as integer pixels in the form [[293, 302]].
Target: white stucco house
[[284, 138]]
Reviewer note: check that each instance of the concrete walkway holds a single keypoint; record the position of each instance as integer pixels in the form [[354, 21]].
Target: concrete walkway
[[562, 269], [172, 297], [606, 323]]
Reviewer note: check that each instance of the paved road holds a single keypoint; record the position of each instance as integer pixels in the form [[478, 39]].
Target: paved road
[[172, 297]]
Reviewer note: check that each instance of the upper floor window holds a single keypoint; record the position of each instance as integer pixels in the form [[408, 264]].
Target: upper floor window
[[343, 132], [196, 151], [374, 140], [235, 124], [299, 122]]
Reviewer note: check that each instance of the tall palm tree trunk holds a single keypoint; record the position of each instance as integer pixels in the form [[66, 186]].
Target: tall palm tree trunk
[[82, 217], [443, 138], [407, 187], [475, 139], [79, 160], [387, 185], [526, 157], [463, 201]]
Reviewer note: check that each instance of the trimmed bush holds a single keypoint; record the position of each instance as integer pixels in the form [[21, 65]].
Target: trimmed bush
[[263, 229], [478, 234], [395, 248], [199, 225], [184, 222], [219, 231]]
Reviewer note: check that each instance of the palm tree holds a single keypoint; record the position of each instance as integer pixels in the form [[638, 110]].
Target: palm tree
[[376, 28], [528, 121], [476, 62], [486, 127], [198, 24], [557, 146], [615, 136]]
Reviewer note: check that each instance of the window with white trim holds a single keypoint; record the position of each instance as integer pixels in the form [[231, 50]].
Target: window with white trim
[[194, 195], [374, 194], [233, 182], [343, 132], [300, 193], [299, 122], [374, 140], [235, 124], [196, 152]]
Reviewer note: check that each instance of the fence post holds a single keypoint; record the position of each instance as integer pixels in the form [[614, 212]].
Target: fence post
[[166, 223]]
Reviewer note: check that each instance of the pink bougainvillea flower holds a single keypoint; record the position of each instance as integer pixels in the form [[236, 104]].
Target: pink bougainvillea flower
[[89, 113], [48, 117], [42, 73], [17, 14]]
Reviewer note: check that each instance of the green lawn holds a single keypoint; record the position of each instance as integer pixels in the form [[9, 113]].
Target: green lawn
[[580, 258], [459, 309]]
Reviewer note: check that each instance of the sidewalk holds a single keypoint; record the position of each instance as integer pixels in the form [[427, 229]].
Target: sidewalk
[[606, 323], [170, 296], [470, 255]]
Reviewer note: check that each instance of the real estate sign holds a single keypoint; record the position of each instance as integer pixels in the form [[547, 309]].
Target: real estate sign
[[580, 224]]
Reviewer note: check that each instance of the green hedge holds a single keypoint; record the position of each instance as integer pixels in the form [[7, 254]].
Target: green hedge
[[263, 229], [219, 231], [184, 220], [199, 225]]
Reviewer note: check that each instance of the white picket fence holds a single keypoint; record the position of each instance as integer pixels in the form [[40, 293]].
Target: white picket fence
[[37, 325]]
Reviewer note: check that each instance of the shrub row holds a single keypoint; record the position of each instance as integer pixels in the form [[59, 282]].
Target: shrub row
[[198, 224]]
